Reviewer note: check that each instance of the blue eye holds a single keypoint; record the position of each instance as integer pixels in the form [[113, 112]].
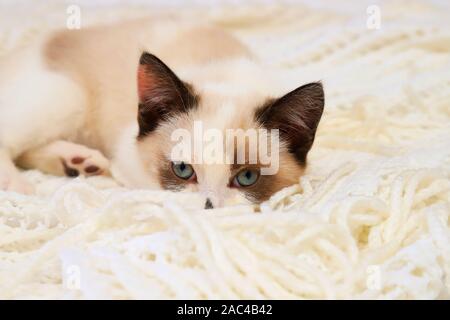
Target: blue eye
[[246, 178], [183, 170]]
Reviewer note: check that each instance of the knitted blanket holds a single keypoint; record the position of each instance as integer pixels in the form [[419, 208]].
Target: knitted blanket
[[369, 219]]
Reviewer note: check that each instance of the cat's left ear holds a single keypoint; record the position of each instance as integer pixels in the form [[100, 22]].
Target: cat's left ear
[[296, 115], [161, 93]]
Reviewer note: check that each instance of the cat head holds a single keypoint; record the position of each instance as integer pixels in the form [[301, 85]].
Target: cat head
[[233, 148]]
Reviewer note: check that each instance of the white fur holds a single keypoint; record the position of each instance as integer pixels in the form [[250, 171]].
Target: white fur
[[37, 105], [127, 166]]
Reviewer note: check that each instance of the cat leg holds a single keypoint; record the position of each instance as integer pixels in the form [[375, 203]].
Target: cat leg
[[10, 177], [64, 158]]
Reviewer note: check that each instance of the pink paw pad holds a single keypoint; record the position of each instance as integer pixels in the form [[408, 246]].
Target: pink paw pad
[[77, 160], [78, 165], [91, 169]]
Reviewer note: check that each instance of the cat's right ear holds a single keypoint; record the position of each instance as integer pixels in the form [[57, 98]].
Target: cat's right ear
[[296, 115], [161, 93]]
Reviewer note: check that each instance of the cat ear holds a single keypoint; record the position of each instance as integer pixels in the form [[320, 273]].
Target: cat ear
[[296, 115], [161, 93]]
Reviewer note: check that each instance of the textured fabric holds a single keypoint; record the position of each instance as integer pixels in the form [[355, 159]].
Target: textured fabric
[[370, 219]]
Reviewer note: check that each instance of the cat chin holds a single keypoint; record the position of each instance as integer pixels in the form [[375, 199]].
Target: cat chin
[[127, 166]]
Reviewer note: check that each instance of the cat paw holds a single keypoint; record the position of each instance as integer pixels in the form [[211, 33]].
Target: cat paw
[[87, 162], [12, 181]]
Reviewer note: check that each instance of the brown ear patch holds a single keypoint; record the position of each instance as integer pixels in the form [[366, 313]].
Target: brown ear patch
[[296, 115], [161, 94]]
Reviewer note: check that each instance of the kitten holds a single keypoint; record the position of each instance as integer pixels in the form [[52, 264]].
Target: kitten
[[70, 104]]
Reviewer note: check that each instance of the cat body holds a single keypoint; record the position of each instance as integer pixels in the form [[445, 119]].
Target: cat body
[[103, 99]]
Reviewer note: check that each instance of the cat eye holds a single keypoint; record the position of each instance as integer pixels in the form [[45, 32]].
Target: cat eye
[[183, 170], [246, 178]]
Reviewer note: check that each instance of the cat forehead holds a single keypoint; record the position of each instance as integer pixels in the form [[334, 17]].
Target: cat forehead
[[219, 110]]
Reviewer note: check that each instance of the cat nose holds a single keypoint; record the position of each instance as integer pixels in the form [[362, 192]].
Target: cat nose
[[208, 204]]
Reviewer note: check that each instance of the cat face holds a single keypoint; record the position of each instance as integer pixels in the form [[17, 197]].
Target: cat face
[[238, 148]]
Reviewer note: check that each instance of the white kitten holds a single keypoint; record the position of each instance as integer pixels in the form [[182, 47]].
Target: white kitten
[[79, 100]]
